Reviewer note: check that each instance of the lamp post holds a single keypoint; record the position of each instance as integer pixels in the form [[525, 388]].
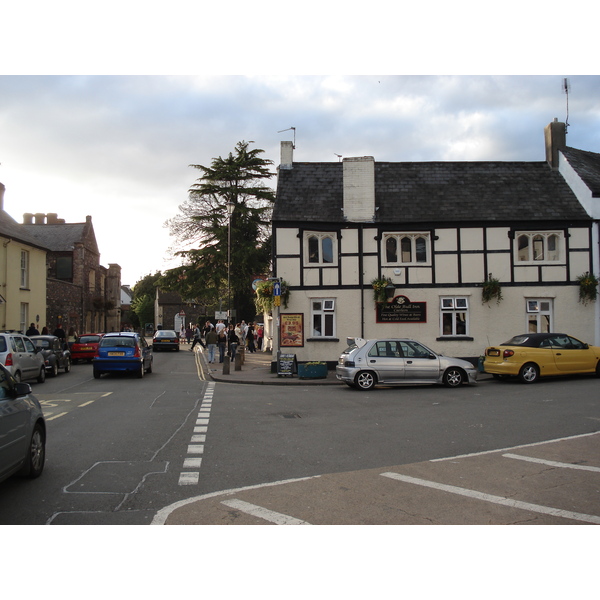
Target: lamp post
[[230, 208]]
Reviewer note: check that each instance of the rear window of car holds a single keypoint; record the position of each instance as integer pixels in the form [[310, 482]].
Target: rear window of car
[[169, 334], [42, 343], [89, 339], [117, 342], [3, 347], [519, 340]]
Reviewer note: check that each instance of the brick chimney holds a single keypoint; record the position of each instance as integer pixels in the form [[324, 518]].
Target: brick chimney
[[555, 135], [287, 155], [359, 189]]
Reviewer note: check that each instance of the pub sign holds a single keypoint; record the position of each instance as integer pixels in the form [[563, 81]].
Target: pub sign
[[401, 310]]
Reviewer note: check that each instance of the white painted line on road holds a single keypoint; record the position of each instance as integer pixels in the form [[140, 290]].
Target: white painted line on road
[[547, 510], [202, 429], [192, 463], [86, 403], [198, 438], [552, 463], [62, 414], [201, 421], [195, 449], [263, 513], [189, 478]]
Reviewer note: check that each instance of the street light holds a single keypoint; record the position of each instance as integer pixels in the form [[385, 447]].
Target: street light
[[230, 208]]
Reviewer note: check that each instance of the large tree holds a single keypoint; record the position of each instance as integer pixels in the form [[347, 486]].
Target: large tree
[[201, 230]]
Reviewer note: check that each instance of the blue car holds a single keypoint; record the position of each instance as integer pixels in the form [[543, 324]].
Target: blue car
[[123, 352]]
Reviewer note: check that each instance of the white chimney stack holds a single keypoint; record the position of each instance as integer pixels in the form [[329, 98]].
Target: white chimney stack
[[359, 189]]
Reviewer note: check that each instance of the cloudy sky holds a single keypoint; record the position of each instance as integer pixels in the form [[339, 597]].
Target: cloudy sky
[[117, 145]]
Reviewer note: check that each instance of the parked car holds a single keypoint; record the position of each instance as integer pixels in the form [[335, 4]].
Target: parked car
[[22, 429], [21, 358], [85, 347], [530, 356], [123, 352], [56, 354], [366, 363], [167, 339]]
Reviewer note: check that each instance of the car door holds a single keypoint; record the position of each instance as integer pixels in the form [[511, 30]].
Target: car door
[[572, 356], [419, 362], [21, 358], [13, 426], [385, 357]]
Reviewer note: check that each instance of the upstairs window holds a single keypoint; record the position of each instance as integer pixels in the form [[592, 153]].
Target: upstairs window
[[538, 247], [406, 248], [24, 269], [319, 248]]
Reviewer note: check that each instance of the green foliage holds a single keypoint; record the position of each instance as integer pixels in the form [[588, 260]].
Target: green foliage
[[588, 287], [491, 289], [202, 226], [143, 307], [264, 299], [379, 285]]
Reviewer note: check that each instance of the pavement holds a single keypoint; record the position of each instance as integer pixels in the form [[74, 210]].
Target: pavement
[[547, 483]]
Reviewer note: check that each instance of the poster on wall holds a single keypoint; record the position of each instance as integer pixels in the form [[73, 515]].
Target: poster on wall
[[401, 310], [291, 330]]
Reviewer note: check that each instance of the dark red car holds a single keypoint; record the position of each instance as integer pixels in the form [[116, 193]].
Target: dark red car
[[86, 347]]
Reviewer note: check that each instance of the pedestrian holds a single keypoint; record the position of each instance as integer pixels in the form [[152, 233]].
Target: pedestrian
[[250, 338], [188, 334], [220, 326], [197, 338], [211, 343], [233, 340], [32, 330], [72, 336], [222, 343], [59, 332], [260, 332]]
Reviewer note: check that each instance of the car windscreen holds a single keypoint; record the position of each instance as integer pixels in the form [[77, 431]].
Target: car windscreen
[[117, 342], [42, 343], [88, 339]]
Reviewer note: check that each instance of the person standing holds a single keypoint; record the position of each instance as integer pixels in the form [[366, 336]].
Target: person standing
[[222, 343], [32, 330], [59, 332], [250, 338], [260, 332], [233, 340], [211, 339], [188, 333], [72, 336]]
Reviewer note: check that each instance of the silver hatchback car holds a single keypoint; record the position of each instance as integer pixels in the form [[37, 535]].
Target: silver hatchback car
[[366, 363], [20, 357]]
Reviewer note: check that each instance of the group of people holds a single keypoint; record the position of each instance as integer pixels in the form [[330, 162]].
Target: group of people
[[69, 338], [224, 338]]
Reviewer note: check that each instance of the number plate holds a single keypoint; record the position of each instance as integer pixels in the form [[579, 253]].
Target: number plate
[[116, 353], [493, 352]]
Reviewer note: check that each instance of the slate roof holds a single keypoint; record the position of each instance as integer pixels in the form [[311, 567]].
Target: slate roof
[[587, 165], [60, 237], [9, 228], [419, 192]]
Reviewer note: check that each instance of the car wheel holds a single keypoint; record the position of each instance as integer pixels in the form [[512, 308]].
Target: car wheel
[[529, 373], [54, 371], [42, 376], [68, 365], [149, 369], [97, 374], [598, 369], [36, 457], [140, 372], [365, 380], [17, 376], [453, 377]]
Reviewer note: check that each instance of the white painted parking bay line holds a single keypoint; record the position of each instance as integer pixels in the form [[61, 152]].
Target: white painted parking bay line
[[552, 463], [189, 478], [263, 513], [547, 510]]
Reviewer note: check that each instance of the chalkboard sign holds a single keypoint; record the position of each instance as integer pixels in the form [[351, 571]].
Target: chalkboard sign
[[286, 364]]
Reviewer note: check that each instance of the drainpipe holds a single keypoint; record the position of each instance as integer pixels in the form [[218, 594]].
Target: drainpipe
[[361, 281]]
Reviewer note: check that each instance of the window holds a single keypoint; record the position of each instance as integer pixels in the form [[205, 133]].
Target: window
[[320, 248], [64, 267], [24, 269], [454, 316], [539, 315], [538, 247], [406, 248], [322, 317], [24, 316]]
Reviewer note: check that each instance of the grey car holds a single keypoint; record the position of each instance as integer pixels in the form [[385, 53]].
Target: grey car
[[394, 361], [21, 358], [22, 429]]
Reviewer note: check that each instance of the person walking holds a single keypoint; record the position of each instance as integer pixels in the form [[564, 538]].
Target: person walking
[[250, 338], [197, 338], [188, 333], [222, 343], [233, 340], [260, 332], [72, 336], [211, 339], [32, 330]]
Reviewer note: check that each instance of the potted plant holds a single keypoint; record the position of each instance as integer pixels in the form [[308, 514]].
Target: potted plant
[[588, 287], [312, 370], [379, 288], [491, 289]]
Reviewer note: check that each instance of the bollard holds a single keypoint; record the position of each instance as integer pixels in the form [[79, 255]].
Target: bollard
[[242, 352], [238, 361], [226, 365]]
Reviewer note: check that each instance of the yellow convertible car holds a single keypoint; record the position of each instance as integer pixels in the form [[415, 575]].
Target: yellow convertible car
[[533, 355]]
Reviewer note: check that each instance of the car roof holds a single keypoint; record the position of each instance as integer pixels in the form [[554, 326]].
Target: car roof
[[41, 337], [533, 339], [121, 333]]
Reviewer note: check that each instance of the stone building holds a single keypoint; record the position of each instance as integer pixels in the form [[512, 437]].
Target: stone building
[[81, 293]]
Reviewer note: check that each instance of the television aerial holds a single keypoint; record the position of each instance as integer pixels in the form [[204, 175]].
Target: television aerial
[[566, 89]]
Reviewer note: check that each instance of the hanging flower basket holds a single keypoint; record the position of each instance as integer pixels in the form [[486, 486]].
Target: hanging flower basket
[[588, 287], [264, 299], [379, 285], [491, 289]]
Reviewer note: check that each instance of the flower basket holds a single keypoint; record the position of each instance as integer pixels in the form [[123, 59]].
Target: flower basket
[[491, 289], [312, 370], [379, 292], [588, 287]]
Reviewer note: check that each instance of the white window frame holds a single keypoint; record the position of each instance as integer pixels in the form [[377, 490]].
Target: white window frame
[[321, 237], [455, 306], [24, 269], [327, 314], [539, 317], [545, 236], [24, 316], [412, 236]]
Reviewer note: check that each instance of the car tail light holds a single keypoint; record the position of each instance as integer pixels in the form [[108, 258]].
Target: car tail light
[[8, 362], [508, 353], [137, 354]]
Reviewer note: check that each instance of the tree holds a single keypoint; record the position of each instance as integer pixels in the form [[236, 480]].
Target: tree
[[142, 303], [202, 226]]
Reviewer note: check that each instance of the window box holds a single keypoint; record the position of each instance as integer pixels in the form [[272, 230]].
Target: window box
[[312, 370]]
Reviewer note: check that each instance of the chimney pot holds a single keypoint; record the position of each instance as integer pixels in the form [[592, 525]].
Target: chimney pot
[[40, 218], [27, 218]]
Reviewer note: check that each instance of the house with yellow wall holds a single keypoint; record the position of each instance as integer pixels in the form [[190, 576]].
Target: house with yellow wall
[[22, 275]]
